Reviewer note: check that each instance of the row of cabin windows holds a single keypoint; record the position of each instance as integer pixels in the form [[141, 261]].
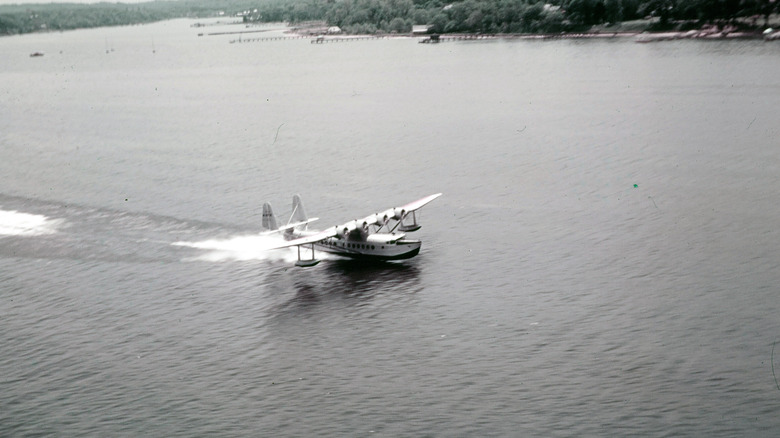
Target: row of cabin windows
[[353, 245], [360, 246]]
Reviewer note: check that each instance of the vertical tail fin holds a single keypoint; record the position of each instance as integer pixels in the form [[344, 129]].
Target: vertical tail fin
[[298, 212], [269, 220]]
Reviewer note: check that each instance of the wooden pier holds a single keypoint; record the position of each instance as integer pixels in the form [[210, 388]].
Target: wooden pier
[[314, 40], [322, 40], [261, 40], [431, 39]]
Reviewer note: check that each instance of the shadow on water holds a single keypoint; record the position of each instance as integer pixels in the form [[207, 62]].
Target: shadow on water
[[363, 278], [372, 270], [347, 281]]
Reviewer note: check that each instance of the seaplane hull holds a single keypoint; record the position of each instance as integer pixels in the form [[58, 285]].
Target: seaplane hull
[[371, 238], [401, 250]]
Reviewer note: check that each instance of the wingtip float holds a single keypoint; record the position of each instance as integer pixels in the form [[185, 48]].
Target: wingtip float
[[377, 237]]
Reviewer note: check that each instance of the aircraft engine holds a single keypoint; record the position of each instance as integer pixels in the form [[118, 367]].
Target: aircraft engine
[[347, 230], [381, 219], [364, 231], [399, 214]]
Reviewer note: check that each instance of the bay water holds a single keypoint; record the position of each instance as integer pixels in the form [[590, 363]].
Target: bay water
[[604, 260]]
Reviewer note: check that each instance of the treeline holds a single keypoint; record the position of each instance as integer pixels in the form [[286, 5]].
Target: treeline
[[509, 16], [16, 19], [374, 16], [591, 12], [32, 18]]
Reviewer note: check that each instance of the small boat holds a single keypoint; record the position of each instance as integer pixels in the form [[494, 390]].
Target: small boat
[[36, 54], [433, 39]]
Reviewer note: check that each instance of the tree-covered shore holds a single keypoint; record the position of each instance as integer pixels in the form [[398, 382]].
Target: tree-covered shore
[[26, 18], [388, 16], [517, 16]]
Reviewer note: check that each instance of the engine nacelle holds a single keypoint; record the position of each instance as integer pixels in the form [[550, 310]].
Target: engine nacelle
[[361, 232], [399, 213], [351, 229], [344, 232], [379, 219]]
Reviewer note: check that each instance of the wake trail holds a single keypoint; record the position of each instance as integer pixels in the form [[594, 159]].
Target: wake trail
[[239, 248], [243, 248], [49, 230], [15, 223]]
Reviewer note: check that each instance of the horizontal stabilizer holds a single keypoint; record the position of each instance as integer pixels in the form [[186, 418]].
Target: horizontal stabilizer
[[288, 227], [322, 235]]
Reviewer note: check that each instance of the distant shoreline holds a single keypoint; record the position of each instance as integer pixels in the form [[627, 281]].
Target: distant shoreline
[[711, 32], [642, 37], [317, 31]]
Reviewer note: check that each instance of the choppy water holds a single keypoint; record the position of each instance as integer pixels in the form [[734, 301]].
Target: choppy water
[[603, 261]]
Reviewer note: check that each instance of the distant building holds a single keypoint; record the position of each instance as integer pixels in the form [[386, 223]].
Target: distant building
[[420, 29]]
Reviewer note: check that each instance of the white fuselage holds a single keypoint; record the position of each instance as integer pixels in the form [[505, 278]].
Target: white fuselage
[[364, 249], [401, 249]]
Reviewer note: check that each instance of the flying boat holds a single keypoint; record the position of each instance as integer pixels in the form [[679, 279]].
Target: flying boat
[[380, 236]]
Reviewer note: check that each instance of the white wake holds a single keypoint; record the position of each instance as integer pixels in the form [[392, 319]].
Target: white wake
[[243, 248], [14, 223]]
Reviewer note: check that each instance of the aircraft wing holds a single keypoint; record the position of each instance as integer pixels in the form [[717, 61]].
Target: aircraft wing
[[397, 213], [314, 238], [416, 205]]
